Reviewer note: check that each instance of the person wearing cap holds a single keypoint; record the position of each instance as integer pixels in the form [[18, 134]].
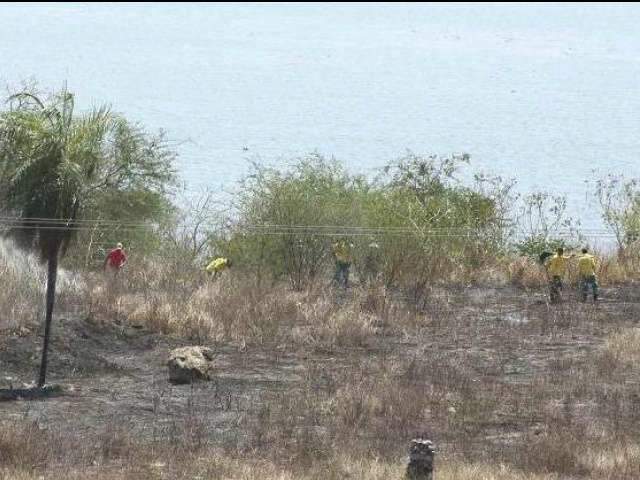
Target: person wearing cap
[[557, 268], [587, 272], [371, 262], [218, 265], [343, 258], [116, 259]]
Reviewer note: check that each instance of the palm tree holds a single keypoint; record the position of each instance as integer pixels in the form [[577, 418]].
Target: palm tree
[[52, 162]]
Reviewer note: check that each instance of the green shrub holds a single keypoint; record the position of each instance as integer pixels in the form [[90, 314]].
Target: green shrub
[[413, 225]]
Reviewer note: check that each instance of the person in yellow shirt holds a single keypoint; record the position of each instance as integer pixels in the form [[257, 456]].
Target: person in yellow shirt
[[371, 263], [557, 268], [217, 266], [587, 272], [343, 258]]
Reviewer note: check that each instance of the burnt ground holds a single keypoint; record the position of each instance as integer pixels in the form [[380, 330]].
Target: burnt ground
[[117, 372], [114, 376]]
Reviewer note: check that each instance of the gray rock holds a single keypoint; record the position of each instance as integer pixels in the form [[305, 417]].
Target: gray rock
[[190, 364]]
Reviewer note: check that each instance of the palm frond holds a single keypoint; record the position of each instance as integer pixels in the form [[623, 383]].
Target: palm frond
[[21, 96], [52, 162]]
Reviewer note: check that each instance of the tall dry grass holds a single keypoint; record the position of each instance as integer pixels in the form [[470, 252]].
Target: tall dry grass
[[23, 288], [235, 308]]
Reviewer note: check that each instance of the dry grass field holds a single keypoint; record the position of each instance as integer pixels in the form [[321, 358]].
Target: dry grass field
[[323, 383]]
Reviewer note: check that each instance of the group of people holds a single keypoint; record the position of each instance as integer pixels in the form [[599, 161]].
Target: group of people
[[342, 255], [557, 266], [116, 259]]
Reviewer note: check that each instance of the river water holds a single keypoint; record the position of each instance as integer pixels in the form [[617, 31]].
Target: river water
[[545, 94]]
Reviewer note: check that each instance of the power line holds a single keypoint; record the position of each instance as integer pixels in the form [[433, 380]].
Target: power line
[[315, 232], [36, 222]]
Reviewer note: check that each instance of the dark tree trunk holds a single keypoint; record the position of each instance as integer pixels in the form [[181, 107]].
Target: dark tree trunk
[[52, 273]]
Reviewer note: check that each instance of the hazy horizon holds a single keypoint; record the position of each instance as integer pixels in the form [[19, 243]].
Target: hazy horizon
[[543, 93]]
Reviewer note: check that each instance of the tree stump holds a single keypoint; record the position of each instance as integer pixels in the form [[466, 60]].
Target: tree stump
[[420, 465]]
